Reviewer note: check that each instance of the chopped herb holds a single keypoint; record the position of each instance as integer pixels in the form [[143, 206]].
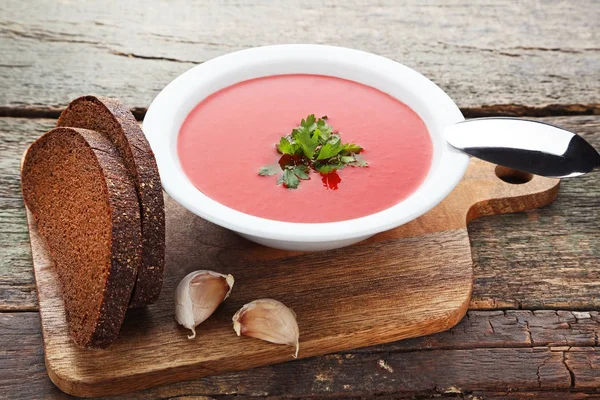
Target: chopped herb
[[268, 170], [352, 148], [285, 147], [301, 171], [308, 143], [330, 149], [289, 179], [347, 159], [312, 145], [328, 168]]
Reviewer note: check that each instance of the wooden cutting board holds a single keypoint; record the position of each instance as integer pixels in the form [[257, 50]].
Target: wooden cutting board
[[411, 281]]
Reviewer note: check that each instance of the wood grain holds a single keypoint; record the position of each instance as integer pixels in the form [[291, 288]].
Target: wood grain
[[17, 289], [472, 348], [407, 282], [504, 55], [541, 246]]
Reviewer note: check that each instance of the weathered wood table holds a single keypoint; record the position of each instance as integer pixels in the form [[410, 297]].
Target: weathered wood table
[[533, 325]]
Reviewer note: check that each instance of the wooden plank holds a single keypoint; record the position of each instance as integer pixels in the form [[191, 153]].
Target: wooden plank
[[586, 361], [22, 355], [510, 395], [469, 359], [510, 328], [540, 259], [17, 289], [505, 55], [451, 394]]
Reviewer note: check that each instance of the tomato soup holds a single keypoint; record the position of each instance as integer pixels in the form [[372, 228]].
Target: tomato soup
[[231, 134]]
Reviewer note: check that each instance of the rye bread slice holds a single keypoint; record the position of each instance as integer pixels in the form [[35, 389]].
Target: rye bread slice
[[112, 118], [76, 186]]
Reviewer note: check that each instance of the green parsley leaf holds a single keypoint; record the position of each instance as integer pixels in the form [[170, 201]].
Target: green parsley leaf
[[268, 170], [307, 142], [347, 159], [328, 168], [310, 120], [290, 180], [352, 148], [324, 132], [301, 171], [317, 134], [285, 147], [334, 138], [330, 149]]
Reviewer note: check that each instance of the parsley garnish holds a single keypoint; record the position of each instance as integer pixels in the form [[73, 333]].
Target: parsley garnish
[[312, 146]]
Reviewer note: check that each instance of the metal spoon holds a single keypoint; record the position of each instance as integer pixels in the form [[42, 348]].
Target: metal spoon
[[530, 146]]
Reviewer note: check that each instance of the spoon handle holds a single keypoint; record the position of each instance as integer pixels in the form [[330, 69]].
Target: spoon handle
[[530, 146]]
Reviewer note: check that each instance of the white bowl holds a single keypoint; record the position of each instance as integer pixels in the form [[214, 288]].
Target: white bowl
[[170, 108]]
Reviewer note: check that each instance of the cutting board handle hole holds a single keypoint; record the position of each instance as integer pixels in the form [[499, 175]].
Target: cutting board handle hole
[[513, 176]]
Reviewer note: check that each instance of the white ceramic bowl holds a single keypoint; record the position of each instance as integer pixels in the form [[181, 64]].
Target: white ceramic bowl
[[170, 108]]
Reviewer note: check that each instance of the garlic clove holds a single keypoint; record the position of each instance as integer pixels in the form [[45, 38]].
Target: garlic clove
[[198, 295], [268, 320]]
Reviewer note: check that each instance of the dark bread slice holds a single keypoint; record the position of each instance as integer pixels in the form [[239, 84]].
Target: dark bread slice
[[76, 186], [112, 118]]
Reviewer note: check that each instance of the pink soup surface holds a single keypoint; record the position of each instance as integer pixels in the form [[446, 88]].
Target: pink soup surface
[[231, 134]]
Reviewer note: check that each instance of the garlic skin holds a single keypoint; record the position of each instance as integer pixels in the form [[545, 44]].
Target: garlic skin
[[198, 295], [268, 320]]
